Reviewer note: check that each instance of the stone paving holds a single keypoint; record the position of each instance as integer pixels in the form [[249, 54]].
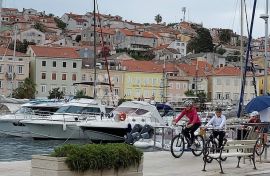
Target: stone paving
[[163, 164]]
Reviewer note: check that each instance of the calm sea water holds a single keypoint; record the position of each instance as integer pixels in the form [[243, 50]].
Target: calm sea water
[[17, 149]]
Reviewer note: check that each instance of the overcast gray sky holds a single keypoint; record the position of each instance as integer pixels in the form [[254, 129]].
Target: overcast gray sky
[[212, 13]]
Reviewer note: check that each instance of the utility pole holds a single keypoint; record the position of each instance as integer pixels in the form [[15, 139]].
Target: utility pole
[[265, 17]]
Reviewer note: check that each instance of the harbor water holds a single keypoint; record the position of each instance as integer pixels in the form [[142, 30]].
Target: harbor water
[[19, 149]]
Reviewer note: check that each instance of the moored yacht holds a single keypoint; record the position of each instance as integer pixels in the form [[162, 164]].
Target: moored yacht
[[62, 124], [10, 123], [124, 118]]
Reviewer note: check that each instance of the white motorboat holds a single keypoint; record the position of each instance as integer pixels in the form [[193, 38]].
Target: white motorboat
[[63, 123], [10, 123], [125, 117]]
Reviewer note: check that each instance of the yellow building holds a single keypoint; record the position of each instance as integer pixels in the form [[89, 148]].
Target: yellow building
[[143, 80], [261, 84]]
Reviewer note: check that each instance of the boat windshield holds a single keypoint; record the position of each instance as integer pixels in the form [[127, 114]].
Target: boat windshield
[[129, 110], [24, 110], [78, 109]]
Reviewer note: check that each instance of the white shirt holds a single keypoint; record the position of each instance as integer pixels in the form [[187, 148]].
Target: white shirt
[[217, 122]]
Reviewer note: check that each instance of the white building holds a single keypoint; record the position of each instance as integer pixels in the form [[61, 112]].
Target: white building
[[53, 67]]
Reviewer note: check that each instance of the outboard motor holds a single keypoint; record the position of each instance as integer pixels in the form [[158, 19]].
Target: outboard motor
[[134, 134], [147, 132]]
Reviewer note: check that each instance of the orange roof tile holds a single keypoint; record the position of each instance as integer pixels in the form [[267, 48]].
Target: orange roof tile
[[142, 66], [190, 70], [227, 71], [8, 52], [106, 30], [55, 52]]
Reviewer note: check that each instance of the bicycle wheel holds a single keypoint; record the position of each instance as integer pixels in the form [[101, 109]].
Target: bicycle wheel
[[199, 143], [177, 146], [259, 146]]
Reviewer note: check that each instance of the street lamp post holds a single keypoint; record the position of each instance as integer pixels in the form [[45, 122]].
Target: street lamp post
[[265, 17]]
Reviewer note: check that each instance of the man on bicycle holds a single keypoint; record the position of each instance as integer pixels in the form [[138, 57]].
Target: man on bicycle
[[194, 122], [218, 121]]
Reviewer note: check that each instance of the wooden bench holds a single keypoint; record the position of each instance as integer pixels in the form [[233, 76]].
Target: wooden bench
[[233, 148]]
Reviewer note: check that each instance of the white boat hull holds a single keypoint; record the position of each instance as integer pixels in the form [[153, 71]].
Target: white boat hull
[[50, 130], [13, 127]]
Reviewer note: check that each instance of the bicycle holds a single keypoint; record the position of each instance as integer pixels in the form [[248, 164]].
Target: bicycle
[[178, 144], [260, 144], [211, 145]]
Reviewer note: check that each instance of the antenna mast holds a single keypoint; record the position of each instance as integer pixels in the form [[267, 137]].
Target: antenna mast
[[184, 13]]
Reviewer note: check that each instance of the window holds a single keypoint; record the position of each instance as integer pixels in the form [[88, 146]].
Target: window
[[20, 69], [227, 96], [1, 68], [177, 85], [74, 65], [43, 75], [54, 64], [20, 59], [83, 77], [43, 88], [116, 91], [64, 76], [1, 86], [73, 77], [64, 64], [53, 76], [218, 95], [10, 68], [64, 89], [43, 63]]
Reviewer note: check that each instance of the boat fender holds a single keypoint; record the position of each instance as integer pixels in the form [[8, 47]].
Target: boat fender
[[64, 126], [122, 116]]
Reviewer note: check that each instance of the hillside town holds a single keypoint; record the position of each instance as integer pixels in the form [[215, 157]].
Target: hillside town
[[135, 61]]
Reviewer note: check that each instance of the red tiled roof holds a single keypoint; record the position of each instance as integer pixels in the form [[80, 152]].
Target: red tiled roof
[[55, 52], [9, 52], [161, 47], [190, 70], [142, 34], [227, 71], [142, 66], [106, 31], [202, 64]]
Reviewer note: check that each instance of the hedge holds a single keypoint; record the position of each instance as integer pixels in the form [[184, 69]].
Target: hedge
[[98, 156]]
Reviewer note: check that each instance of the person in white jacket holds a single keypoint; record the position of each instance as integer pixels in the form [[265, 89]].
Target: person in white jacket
[[218, 122]]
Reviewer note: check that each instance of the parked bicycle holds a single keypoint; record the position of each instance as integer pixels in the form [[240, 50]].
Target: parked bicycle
[[260, 144], [211, 144], [180, 142]]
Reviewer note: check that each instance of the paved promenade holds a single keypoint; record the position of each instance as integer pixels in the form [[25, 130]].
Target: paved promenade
[[163, 164]]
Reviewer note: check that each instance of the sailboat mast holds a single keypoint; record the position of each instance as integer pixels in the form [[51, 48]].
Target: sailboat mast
[[265, 17], [14, 55], [95, 57], [241, 39]]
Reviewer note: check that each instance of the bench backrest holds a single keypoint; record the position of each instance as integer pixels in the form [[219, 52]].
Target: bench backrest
[[240, 144]]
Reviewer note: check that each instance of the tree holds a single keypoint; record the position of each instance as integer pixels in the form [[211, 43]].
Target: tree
[[225, 36], [56, 93], [51, 15], [21, 46], [39, 26], [203, 42], [78, 38], [60, 23], [158, 18], [221, 51], [190, 93], [234, 58], [201, 100], [26, 90]]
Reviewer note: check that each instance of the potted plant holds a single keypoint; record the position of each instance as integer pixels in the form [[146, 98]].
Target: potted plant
[[89, 159]]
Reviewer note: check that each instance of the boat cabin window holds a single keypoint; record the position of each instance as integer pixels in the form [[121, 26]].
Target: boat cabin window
[[78, 109], [141, 112], [24, 110]]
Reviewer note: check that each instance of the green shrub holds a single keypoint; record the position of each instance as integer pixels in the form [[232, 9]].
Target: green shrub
[[98, 156]]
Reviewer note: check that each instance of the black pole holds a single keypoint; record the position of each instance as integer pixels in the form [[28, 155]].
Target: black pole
[[240, 105]]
